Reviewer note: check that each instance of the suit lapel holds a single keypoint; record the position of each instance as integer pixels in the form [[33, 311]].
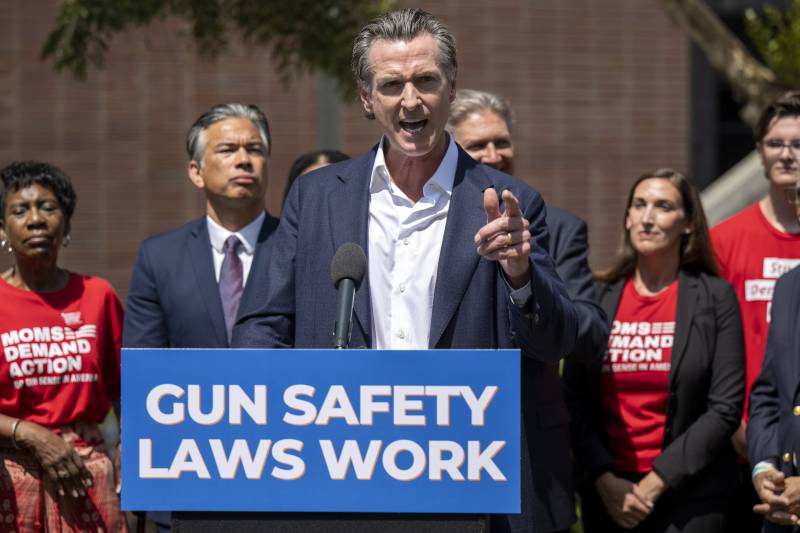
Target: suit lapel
[[458, 258], [348, 211], [687, 302], [203, 265], [610, 297]]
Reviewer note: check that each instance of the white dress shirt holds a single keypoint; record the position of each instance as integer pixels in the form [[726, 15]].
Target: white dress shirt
[[248, 236], [405, 239]]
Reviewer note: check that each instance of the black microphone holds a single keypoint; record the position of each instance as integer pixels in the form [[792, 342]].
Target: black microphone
[[347, 271]]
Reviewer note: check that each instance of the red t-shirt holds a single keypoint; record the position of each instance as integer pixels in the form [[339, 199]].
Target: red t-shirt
[[752, 255], [60, 352], [635, 376]]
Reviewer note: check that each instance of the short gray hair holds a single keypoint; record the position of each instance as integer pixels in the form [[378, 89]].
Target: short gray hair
[[403, 25], [196, 137], [470, 101]]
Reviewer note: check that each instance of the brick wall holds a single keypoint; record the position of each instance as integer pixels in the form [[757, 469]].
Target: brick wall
[[600, 91]]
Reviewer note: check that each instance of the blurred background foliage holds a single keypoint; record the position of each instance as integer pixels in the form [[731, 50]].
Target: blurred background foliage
[[301, 35], [776, 36]]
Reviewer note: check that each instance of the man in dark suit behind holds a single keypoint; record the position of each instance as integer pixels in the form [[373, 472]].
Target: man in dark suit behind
[[481, 123], [188, 283], [448, 265]]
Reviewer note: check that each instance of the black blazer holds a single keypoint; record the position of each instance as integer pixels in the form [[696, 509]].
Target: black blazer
[[706, 392], [173, 301], [774, 429]]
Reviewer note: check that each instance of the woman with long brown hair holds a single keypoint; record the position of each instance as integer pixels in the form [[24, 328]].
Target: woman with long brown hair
[[652, 421]]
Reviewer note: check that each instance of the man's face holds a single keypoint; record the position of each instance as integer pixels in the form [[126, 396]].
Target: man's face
[[234, 162], [410, 95], [485, 136], [781, 161]]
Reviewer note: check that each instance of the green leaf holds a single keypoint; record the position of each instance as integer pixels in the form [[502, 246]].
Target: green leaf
[[776, 37], [302, 35]]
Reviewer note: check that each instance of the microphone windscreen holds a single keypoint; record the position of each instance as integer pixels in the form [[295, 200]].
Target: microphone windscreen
[[349, 262]]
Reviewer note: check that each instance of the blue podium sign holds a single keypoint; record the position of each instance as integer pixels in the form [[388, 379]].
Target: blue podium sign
[[418, 431]]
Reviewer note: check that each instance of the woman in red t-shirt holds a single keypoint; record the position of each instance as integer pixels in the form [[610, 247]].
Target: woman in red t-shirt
[[60, 336], [652, 420]]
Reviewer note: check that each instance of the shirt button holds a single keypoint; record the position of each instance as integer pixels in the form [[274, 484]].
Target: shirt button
[[787, 457], [402, 288], [405, 242], [401, 334], [796, 410]]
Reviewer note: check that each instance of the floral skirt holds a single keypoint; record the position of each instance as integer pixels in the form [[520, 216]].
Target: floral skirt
[[29, 501]]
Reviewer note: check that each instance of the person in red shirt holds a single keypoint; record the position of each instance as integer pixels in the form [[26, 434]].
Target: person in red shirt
[[652, 421], [753, 249], [60, 338]]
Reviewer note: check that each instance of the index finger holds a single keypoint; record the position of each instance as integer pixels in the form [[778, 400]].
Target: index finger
[[83, 473], [512, 204], [635, 506], [775, 500], [640, 507], [637, 491], [776, 476]]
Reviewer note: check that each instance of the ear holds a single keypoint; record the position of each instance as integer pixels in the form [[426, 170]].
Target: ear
[[628, 223], [366, 100], [763, 158], [196, 175]]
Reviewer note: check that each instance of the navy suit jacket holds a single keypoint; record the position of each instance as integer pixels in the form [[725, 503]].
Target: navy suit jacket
[[173, 301], [774, 429], [569, 248], [548, 436], [295, 304]]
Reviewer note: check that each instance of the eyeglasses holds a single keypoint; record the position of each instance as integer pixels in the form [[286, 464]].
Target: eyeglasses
[[778, 145], [792, 195]]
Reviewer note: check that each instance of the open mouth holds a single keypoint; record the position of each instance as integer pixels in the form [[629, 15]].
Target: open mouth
[[413, 127]]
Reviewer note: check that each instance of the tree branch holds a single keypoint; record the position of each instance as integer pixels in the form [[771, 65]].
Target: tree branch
[[752, 82]]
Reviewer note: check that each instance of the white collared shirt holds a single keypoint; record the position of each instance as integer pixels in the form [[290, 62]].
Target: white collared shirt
[[405, 239], [248, 236]]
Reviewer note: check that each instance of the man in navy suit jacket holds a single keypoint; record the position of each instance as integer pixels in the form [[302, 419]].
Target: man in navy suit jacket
[[481, 123], [773, 435], [176, 299], [448, 265]]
